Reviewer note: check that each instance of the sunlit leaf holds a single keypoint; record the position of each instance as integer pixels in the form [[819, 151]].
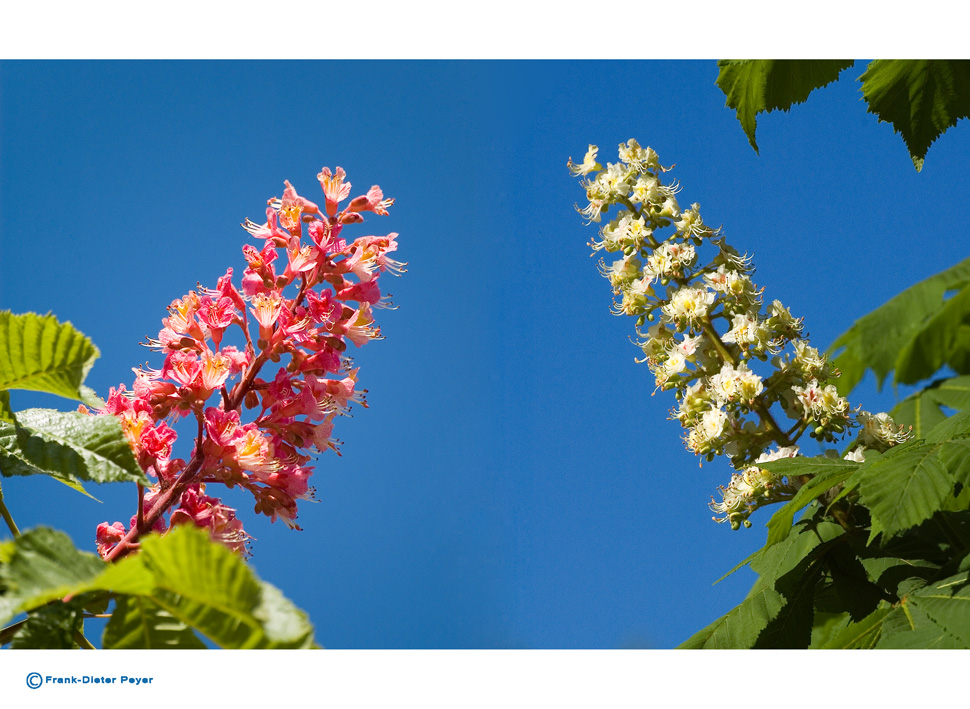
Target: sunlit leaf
[[740, 627], [6, 414], [188, 580], [39, 353], [905, 486], [69, 446], [878, 340]]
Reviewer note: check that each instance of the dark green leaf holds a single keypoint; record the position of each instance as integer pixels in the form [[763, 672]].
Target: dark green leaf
[[888, 572], [779, 559], [39, 353], [877, 340], [920, 98], [753, 86], [70, 446], [52, 627], [850, 583], [137, 623], [959, 501], [952, 428], [791, 626]]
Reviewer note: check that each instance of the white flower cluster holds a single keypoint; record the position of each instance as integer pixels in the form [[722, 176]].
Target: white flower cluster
[[726, 407]]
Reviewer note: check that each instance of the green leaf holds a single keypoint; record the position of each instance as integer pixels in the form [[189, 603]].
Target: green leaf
[[208, 587], [791, 626], [827, 626], [137, 623], [184, 575], [38, 353], [905, 486], [826, 472], [936, 341], [52, 627], [741, 627], [6, 414], [952, 428], [920, 98], [754, 86], [877, 340], [779, 559], [42, 565], [889, 571], [935, 616], [741, 564], [69, 446], [925, 409], [849, 584], [863, 634]]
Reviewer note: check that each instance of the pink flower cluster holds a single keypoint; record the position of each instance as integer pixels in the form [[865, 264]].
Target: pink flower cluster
[[303, 309]]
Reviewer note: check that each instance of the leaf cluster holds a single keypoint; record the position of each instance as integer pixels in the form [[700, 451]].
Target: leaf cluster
[[38, 353], [179, 587], [921, 99], [881, 554]]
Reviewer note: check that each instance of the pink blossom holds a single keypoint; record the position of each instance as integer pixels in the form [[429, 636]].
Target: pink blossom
[[215, 369], [254, 452], [326, 359], [222, 426], [326, 236], [367, 292], [182, 314], [109, 535], [334, 188], [195, 507], [292, 206], [266, 308], [148, 504], [360, 327], [182, 366], [320, 307], [156, 442], [268, 231], [373, 201], [304, 322], [216, 314]]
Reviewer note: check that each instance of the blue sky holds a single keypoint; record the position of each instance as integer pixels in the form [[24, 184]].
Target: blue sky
[[513, 483]]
